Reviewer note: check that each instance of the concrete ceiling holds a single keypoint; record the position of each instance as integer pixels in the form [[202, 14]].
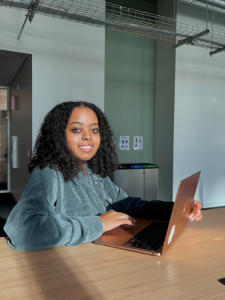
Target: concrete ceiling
[[9, 67], [10, 64]]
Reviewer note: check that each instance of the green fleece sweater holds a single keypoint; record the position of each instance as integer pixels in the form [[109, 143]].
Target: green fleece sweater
[[53, 212]]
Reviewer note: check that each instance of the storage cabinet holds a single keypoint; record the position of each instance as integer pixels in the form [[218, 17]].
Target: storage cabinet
[[138, 180]]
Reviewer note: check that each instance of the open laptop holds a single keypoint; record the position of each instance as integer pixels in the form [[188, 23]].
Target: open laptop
[[154, 237]]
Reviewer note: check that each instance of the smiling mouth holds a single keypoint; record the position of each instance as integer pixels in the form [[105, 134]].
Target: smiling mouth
[[86, 148]]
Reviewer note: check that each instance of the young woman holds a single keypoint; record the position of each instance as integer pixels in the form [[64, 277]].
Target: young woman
[[69, 198]]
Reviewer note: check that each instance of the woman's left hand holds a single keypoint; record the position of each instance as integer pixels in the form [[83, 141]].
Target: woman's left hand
[[196, 214]]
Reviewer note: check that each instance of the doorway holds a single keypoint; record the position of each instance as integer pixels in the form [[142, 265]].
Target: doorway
[[4, 130], [15, 120]]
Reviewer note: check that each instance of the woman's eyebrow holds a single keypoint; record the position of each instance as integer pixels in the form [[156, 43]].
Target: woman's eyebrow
[[82, 123]]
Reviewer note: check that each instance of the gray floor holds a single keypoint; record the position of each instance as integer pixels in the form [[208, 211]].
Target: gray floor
[[3, 169], [3, 174], [6, 205]]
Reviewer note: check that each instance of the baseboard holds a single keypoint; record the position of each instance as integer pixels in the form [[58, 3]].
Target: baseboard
[[14, 197], [213, 207]]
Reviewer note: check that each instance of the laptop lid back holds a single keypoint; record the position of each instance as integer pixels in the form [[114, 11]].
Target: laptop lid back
[[181, 210]]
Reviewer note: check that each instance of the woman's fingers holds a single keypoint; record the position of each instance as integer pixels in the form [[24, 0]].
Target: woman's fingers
[[112, 219], [126, 222], [196, 214], [123, 216], [198, 205], [196, 217]]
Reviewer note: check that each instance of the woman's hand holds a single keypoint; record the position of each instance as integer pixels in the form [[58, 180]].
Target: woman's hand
[[112, 219], [196, 214]]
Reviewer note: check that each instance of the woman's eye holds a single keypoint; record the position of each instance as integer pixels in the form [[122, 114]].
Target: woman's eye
[[76, 130], [95, 130]]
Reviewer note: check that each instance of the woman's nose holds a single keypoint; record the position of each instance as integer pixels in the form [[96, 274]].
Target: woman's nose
[[86, 136]]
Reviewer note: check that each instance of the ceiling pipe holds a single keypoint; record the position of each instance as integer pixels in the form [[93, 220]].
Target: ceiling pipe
[[30, 14], [217, 51], [190, 39], [217, 3], [27, 16]]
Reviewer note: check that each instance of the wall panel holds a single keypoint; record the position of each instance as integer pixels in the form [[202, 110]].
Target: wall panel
[[199, 123], [130, 86]]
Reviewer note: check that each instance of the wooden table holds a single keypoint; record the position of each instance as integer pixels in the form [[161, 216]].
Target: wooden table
[[189, 270]]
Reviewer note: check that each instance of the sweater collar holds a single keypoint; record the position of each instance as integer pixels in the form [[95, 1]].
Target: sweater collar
[[81, 177]]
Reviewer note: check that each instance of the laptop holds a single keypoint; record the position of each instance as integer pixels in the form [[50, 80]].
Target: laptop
[[155, 237]]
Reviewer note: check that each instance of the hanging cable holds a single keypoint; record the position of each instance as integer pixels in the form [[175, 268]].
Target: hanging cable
[[212, 25], [207, 14]]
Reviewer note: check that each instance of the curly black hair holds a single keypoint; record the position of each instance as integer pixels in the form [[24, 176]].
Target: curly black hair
[[51, 147]]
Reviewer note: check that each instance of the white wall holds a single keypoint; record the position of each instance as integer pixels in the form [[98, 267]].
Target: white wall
[[67, 60], [199, 121]]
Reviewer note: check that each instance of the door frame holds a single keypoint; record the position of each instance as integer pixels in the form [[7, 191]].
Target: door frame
[[8, 139]]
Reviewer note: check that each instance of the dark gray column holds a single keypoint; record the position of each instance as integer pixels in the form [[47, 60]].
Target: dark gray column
[[164, 107]]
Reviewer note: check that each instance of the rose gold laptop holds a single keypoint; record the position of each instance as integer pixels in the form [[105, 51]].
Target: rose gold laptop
[[154, 237]]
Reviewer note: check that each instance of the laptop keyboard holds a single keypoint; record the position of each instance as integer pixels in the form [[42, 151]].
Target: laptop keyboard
[[150, 238]]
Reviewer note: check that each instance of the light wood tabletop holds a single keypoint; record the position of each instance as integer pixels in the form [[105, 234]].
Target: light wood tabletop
[[189, 270]]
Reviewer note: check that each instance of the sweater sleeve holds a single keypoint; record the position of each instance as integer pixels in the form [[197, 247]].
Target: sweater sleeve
[[34, 224], [136, 207]]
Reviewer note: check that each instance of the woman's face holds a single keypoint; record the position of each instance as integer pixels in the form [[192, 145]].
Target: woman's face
[[82, 133]]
